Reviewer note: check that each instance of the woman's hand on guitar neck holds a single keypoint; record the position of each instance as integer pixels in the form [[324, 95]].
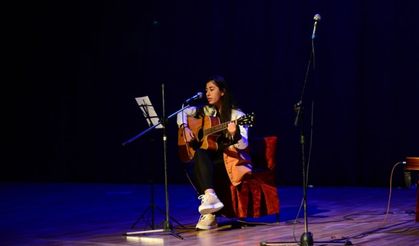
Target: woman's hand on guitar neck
[[232, 128]]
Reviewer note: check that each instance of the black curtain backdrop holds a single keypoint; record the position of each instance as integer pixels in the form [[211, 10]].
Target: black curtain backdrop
[[74, 68]]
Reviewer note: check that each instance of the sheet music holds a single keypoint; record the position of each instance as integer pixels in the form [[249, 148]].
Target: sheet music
[[148, 111]]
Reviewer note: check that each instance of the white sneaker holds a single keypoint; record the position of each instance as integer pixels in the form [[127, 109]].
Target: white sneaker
[[209, 204], [206, 222]]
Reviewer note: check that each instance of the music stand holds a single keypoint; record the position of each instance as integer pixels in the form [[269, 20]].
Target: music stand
[[155, 122], [152, 119], [148, 111]]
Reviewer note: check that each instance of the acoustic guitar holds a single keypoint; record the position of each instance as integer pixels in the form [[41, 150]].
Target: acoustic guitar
[[206, 130]]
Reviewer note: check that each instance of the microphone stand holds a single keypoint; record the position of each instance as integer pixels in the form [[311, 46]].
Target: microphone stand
[[167, 227], [306, 238]]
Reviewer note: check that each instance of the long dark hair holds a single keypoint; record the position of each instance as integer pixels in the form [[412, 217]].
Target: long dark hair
[[226, 100]]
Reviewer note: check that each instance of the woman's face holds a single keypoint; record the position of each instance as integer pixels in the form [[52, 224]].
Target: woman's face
[[213, 93]]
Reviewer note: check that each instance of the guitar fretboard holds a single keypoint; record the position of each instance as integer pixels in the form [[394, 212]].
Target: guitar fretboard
[[247, 119], [215, 129]]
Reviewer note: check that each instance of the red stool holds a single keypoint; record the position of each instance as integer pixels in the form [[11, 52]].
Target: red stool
[[412, 164], [257, 195]]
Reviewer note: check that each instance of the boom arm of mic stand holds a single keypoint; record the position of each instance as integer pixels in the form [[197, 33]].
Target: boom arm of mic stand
[[152, 127]]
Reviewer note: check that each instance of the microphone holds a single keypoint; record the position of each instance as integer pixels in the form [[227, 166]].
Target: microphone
[[196, 97], [316, 19]]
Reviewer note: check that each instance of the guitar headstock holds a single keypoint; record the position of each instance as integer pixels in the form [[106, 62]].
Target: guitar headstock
[[247, 120]]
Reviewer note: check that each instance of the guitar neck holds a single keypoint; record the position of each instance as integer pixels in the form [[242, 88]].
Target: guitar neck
[[217, 128]]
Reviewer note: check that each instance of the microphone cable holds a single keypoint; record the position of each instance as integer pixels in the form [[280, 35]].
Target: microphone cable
[[390, 188]]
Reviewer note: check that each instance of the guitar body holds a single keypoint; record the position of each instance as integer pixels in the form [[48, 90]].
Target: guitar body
[[208, 142]]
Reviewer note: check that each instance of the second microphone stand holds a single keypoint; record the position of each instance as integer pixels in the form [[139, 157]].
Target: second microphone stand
[[306, 238]]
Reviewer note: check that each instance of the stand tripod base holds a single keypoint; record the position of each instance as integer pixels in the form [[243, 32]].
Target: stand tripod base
[[167, 228], [285, 243], [152, 226], [306, 239]]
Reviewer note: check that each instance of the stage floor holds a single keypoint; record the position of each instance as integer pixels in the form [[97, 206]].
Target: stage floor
[[100, 214]]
